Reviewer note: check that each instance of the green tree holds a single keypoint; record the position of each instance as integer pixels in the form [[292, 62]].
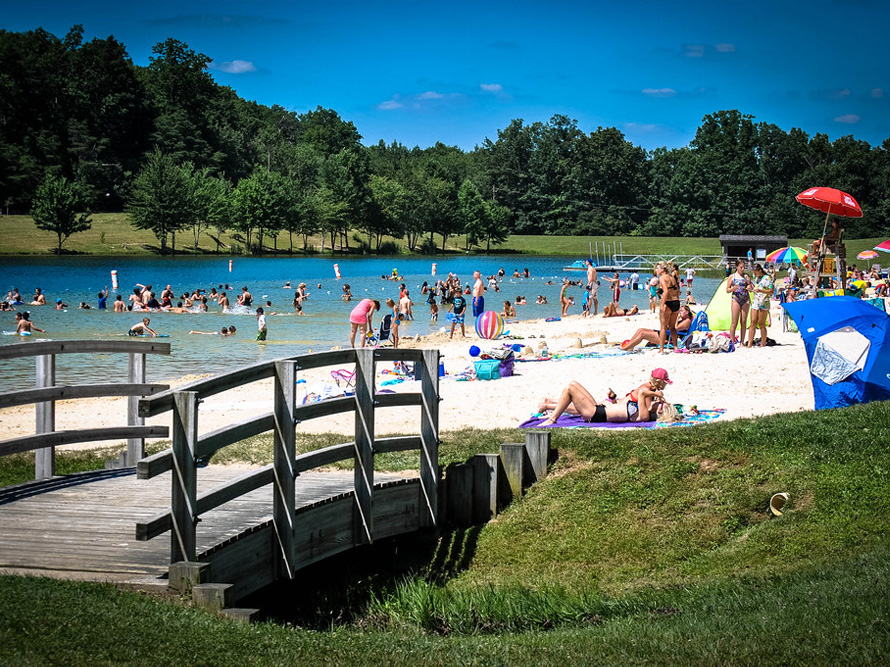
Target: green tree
[[161, 198], [473, 212], [392, 201], [498, 221], [58, 206], [261, 204], [210, 202]]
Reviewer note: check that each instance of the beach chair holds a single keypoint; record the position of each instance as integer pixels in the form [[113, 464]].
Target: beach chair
[[345, 379], [382, 336], [699, 323]]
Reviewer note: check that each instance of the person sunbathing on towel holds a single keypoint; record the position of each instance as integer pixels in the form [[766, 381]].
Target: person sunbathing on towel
[[684, 320], [612, 309], [640, 405]]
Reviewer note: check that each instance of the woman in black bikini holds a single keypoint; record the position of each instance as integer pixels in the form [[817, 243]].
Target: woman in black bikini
[[670, 305], [638, 406]]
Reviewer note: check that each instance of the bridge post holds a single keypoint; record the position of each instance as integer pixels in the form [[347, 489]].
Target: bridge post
[[135, 375], [429, 438], [45, 459], [184, 496], [364, 446], [285, 450]]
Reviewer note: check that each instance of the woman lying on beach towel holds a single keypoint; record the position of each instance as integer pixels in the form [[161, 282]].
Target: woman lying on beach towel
[[684, 320], [640, 405]]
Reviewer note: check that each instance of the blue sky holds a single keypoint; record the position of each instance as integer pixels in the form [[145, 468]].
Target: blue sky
[[457, 72]]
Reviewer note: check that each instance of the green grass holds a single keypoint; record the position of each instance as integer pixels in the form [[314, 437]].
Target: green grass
[[112, 234], [639, 547]]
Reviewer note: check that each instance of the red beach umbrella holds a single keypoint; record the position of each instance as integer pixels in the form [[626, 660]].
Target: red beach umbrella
[[830, 201], [883, 247]]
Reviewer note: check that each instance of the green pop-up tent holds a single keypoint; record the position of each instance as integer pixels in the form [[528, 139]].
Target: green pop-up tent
[[719, 310]]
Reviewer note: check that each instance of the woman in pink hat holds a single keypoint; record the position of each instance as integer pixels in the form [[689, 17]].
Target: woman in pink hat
[[640, 405]]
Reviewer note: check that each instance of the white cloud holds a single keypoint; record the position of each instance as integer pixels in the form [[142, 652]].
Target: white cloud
[[389, 105], [849, 119], [430, 95], [725, 48], [640, 127], [659, 92], [694, 50], [492, 87], [234, 66], [877, 93]]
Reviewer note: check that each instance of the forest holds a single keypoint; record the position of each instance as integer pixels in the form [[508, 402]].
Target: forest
[[83, 129]]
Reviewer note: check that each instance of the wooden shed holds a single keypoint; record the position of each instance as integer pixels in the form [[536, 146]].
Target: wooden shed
[[736, 246]]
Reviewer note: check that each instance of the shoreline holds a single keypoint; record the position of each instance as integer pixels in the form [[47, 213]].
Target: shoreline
[[746, 383]]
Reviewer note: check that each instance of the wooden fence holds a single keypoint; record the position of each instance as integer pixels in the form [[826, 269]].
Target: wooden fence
[[293, 538], [46, 392]]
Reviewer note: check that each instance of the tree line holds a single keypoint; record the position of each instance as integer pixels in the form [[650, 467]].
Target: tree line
[[84, 129]]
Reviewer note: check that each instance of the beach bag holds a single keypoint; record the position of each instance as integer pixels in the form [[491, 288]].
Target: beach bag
[[720, 343], [505, 367], [488, 369]]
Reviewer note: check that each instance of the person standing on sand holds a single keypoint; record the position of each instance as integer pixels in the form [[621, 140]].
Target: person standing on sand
[[670, 305], [478, 292], [592, 286], [360, 319], [261, 325], [563, 299], [459, 307]]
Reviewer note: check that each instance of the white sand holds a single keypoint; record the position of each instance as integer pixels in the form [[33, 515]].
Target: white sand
[[746, 383]]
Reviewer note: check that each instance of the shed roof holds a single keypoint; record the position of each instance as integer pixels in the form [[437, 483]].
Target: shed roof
[[752, 238]]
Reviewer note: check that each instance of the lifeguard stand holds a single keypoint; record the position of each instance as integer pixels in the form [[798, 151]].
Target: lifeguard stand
[[830, 261]]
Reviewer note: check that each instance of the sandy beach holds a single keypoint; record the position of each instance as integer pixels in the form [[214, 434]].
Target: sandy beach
[[746, 383]]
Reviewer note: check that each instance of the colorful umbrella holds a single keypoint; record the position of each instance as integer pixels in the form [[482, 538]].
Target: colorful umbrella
[[830, 201], [787, 255], [868, 254], [883, 247]]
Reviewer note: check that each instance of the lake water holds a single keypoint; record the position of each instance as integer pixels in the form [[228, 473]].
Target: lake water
[[76, 279]]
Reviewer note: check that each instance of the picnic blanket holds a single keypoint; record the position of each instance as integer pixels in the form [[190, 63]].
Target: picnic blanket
[[574, 421]]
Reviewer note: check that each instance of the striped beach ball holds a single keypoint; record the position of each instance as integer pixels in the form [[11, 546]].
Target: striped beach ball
[[489, 325]]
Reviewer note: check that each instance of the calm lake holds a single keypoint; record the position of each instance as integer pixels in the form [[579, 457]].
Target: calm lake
[[76, 279]]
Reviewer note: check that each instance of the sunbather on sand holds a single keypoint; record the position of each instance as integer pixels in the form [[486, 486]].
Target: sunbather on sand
[[684, 320], [612, 309], [638, 406]]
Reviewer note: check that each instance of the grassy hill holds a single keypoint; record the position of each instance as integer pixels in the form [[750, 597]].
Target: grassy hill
[[649, 547], [112, 234]]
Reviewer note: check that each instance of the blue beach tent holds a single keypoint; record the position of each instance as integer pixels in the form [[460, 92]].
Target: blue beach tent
[[848, 347]]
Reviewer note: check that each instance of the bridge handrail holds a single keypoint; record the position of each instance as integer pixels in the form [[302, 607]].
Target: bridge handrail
[[46, 392], [189, 450]]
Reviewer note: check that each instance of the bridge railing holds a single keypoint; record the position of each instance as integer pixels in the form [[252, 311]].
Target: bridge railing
[[46, 392], [189, 450]]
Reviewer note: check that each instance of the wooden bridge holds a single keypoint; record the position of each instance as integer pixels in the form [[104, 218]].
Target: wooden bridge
[[233, 530]]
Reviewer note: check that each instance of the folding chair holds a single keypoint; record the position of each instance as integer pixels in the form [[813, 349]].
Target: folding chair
[[382, 335], [345, 379]]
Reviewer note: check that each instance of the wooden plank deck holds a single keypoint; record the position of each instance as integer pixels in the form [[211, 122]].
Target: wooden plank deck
[[83, 527]]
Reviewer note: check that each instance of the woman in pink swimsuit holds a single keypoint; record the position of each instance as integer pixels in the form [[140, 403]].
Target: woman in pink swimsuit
[[360, 318]]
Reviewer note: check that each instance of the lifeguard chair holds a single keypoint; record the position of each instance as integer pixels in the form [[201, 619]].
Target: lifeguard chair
[[828, 260]]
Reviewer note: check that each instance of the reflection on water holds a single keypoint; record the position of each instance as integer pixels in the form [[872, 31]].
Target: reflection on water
[[76, 279]]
